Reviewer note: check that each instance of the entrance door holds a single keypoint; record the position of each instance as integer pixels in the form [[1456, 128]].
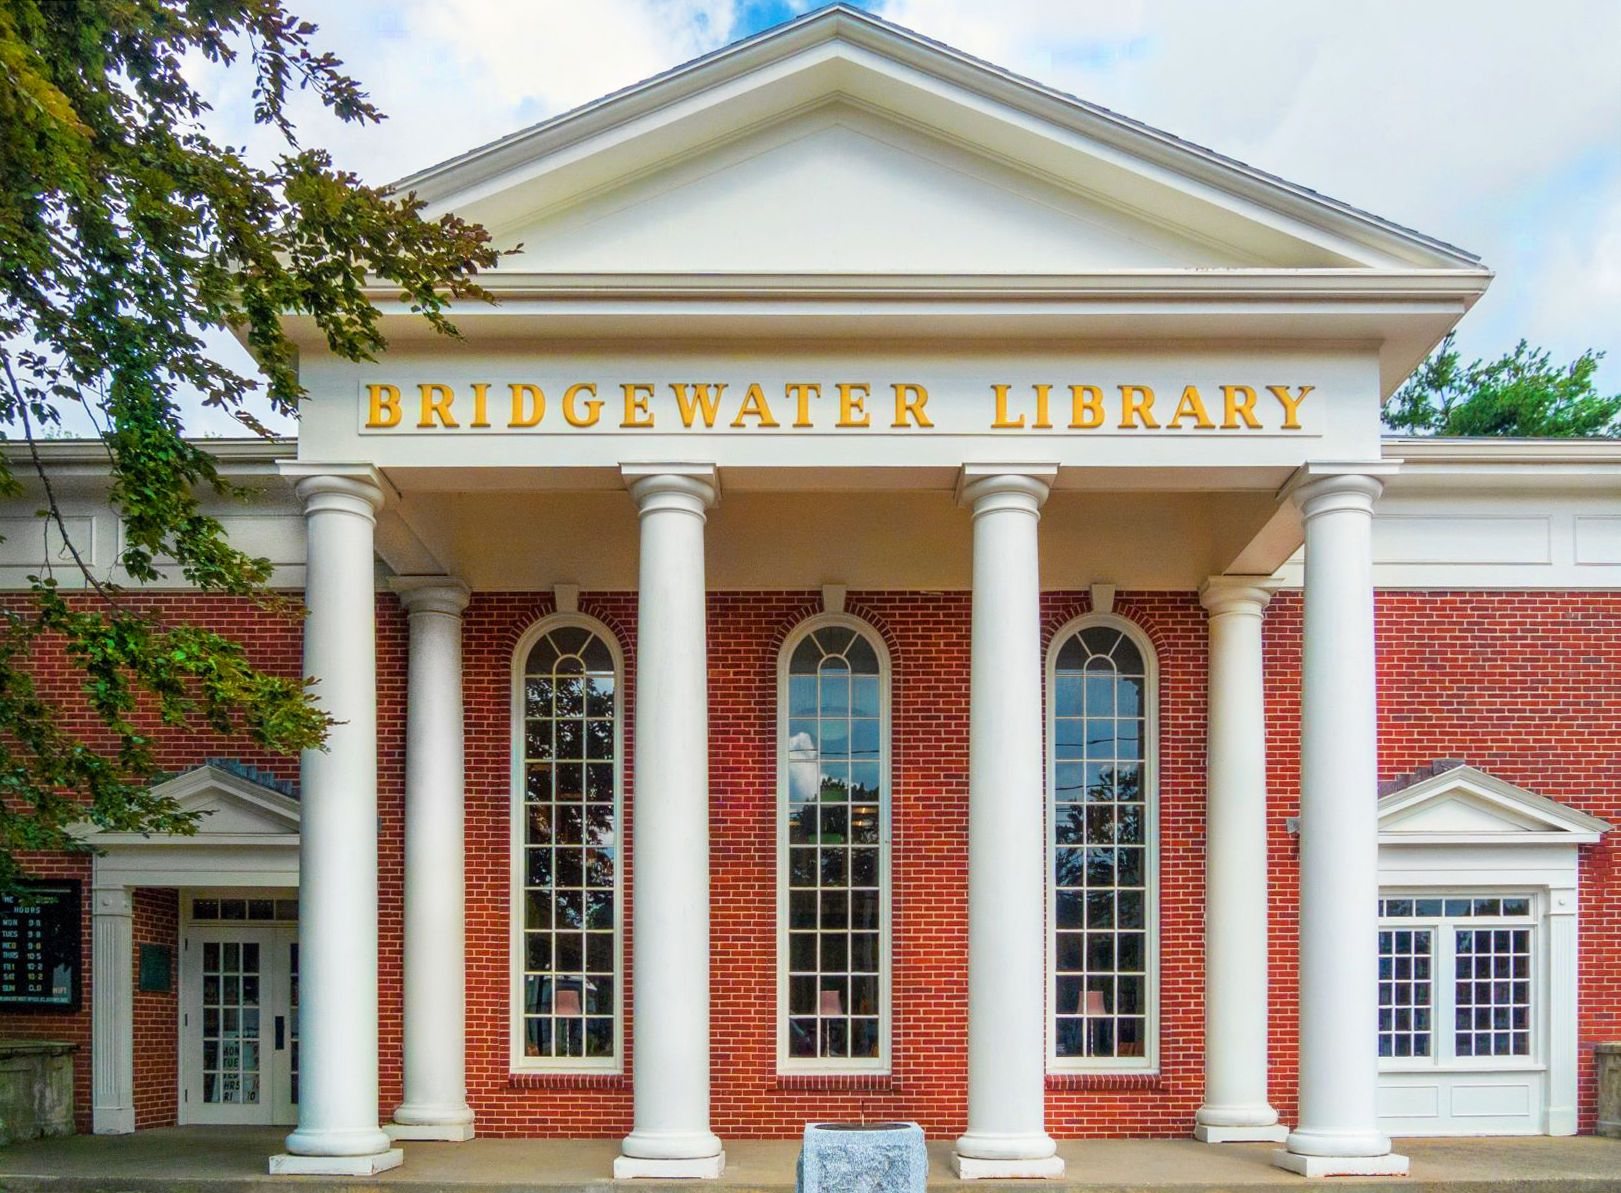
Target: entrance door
[[238, 1024]]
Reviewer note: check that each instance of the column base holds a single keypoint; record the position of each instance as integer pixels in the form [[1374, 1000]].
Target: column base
[[973, 1168], [287, 1164], [1386, 1165], [1276, 1133], [429, 1132], [701, 1168]]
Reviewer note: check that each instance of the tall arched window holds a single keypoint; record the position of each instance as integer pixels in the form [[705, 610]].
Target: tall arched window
[[1102, 700], [833, 848], [566, 954]]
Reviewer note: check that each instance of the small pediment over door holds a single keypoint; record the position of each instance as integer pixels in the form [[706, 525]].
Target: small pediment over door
[[233, 802], [1465, 804]]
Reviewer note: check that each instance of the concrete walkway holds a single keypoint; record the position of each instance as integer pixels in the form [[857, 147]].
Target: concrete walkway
[[232, 1160]]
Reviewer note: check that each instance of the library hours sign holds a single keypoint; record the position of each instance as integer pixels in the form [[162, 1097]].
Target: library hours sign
[[40, 947]]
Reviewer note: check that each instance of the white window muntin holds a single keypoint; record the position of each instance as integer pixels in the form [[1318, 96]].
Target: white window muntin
[[1149, 1061], [1444, 927], [879, 1064], [519, 1061]]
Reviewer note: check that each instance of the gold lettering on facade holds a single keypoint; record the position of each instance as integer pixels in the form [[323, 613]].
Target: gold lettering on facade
[[698, 406], [1238, 402], [383, 406], [701, 401], [1085, 400], [637, 395], [1192, 406], [1000, 421], [1291, 406], [802, 392], [528, 405], [1136, 403], [909, 402], [852, 404], [436, 401], [593, 405], [754, 406]]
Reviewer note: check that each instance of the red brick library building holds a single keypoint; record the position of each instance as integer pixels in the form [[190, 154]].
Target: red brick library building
[[961, 653]]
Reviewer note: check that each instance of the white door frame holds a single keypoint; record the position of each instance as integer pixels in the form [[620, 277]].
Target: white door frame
[[275, 1105]]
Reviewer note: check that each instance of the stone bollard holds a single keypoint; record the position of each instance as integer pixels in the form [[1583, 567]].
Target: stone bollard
[[1607, 1060], [863, 1158]]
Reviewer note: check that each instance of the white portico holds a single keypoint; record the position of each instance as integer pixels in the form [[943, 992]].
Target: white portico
[[1047, 349]]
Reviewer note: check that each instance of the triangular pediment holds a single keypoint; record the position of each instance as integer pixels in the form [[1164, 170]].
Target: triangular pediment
[[840, 143], [844, 190], [1465, 803], [232, 802]]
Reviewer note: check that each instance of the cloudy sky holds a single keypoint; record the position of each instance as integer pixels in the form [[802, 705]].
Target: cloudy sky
[[1493, 124]]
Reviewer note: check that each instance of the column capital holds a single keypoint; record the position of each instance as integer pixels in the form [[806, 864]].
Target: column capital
[[987, 487], [1238, 594], [1323, 487], [346, 488], [112, 901], [688, 488], [432, 594]]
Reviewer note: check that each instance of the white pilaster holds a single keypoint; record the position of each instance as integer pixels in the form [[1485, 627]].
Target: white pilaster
[[435, 1026], [1563, 966], [1338, 1132], [1007, 1050], [112, 1010], [337, 1131], [1235, 938], [670, 827]]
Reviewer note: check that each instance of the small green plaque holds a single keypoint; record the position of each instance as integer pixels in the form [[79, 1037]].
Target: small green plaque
[[157, 962]]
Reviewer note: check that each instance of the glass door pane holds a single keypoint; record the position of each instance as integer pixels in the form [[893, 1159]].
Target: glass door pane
[[232, 984]]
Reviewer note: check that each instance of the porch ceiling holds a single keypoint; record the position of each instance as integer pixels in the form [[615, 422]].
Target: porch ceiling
[[793, 539]]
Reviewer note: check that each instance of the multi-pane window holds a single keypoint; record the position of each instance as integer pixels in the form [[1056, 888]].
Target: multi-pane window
[[834, 836], [1103, 873], [1406, 991], [231, 993], [1486, 942], [568, 956]]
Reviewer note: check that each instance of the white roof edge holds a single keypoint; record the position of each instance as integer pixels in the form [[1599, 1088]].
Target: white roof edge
[[1566, 818], [1417, 451], [840, 20]]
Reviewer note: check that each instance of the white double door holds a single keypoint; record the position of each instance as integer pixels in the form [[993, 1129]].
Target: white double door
[[239, 1024]]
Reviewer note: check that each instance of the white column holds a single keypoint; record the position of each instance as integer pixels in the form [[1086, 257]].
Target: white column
[[337, 1131], [1338, 1132], [435, 1027], [112, 1010], [1236, 906], [670, 833], [1007, 1049]]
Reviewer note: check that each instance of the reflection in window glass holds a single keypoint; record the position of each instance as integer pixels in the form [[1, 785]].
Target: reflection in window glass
[[570, 839], [1100, 846], [836, 838]]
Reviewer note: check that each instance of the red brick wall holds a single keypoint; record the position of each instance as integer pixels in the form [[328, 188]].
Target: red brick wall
[[156, 921], [1519, 684]]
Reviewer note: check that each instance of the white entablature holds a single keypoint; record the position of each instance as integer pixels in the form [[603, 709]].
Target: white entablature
[[843, 203]]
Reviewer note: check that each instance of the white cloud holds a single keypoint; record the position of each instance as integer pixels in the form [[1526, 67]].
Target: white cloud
[[1457, 117]]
